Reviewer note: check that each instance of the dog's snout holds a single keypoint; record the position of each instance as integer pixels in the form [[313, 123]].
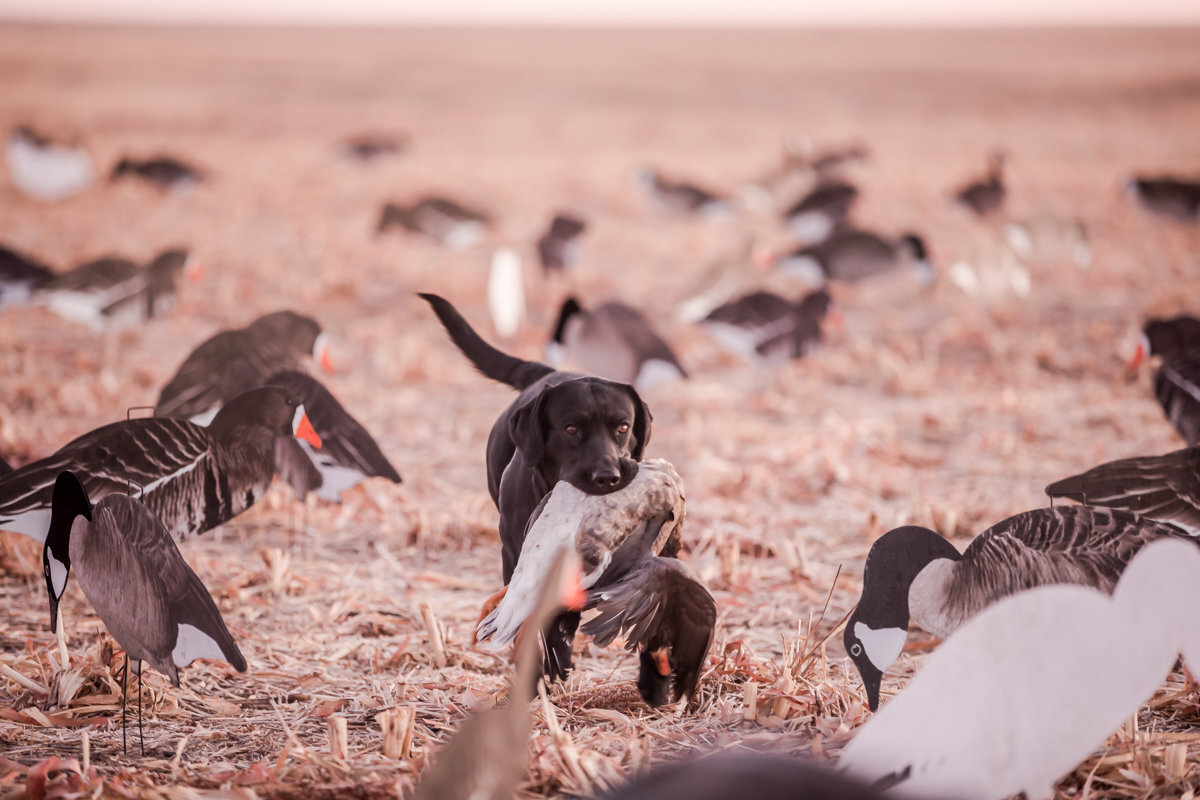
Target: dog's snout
[[605, 477]]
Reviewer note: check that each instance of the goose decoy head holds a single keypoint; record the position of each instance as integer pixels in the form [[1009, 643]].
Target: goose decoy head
[[303, 335], [1166, 337], [175, 261], [555, 347], [914, 245], [123, 167], [876, 631], [273, 408], [70, 500]]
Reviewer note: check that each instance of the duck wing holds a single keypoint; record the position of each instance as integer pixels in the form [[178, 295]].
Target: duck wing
[[1177, 387]]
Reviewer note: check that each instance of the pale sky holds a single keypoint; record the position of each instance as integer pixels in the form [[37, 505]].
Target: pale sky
[[614, 12]]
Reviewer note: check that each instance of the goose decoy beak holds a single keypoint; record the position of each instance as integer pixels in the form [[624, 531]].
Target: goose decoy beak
[[872, 652], [837, 320], [193, 269], [1140, 354], [303, 429], [321, 352]]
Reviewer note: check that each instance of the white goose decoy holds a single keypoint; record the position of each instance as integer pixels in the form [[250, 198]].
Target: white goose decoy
[[1033, 684], [506, 292], [913, 573], [132, 573], [47, 170]]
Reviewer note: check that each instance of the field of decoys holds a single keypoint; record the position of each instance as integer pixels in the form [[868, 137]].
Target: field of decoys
[[884, 374]]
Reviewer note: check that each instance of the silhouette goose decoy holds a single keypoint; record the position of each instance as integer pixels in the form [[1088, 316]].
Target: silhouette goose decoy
[[271, 343], [165, 172], [612, 341], [45, 169], [557, 247], [20, 277], [1167, 196], [627, 542], [1177, 381], [192, 478], [986, 195], [762, 326], [914, 573], [1024, 691], [814, 217], [678, 196], [112, 291], [132, 573], [852, 255], [444, 220]]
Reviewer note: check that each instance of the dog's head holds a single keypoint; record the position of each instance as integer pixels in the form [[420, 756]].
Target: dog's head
[[587, 431]]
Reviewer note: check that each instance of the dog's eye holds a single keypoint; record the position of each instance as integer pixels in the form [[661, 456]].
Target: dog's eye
[[571, 430], [623, 427]]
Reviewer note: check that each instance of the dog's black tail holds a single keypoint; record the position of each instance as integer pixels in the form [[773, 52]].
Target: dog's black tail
[[496, 365]]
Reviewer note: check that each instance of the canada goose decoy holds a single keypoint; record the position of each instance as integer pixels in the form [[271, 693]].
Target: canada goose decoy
[[165, 172], [132, 573], [558, 246], [1177, 381], [191, 477], [612, 341], [680, 197], [627, 541], [444, 220], [1167, 196], [1023, 692], [271, 343], [20, 277], [370, 146], [763, 326], [47, 170], [912, 572], [485, 758], [819, 213], [852, 255], [506, 292], [986, 195]]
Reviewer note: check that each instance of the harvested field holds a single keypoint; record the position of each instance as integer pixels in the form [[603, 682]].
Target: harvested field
[[928, 407]]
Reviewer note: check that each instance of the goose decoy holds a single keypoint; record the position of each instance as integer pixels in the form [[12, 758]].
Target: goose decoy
[[47, 170], [627, 541], [20, 277], [557, 247], [852, 255], [612, 341], [814, 217], [271, 343], [370, 146], [110, 292], [912, 572], [985, 196], [680, 197], [486, 756], [1167, 196], [444, 220], [1023, 692], [1177, 381], [1045, 237], [506, 292], [762, 326], [165, 172], [191, 477], [132, 573]]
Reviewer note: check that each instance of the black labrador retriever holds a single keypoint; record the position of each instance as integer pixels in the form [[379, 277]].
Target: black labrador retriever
[[563, 426]]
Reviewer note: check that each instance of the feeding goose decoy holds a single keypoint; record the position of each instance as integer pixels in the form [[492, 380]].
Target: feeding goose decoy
[[45, 169], [132, 573], [1167, 196], [1034, 684], [1177, 382], [680, 197], [814, 217], [20, 277], [109, 292], [486, 756], [445, 220], [852, 255], [191, 477], [612, 341], [986, 195], [627, 541], [914, 573], [557, 247], [506, 292], [165, 172], [762, 326], [271, 343]]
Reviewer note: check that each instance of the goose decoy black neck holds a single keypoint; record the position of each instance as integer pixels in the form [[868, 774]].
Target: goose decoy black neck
[[876, 631], [70, 501], [569, 309]]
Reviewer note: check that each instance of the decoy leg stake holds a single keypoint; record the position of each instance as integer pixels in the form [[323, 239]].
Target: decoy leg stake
[[141, 734], [124, 688]]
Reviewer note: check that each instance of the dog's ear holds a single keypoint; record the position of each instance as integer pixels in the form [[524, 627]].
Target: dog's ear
[[527, 432], [641, 423]]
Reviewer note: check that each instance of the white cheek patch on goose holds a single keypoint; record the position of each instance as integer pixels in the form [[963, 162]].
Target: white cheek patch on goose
[[58, 575], [299, 415], [192, 643], [319, 345], [882, 646]]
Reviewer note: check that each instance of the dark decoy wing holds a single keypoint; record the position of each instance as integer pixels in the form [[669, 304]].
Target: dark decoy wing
[[643, 342], [95, 276], [1177, 387], [197, 385]]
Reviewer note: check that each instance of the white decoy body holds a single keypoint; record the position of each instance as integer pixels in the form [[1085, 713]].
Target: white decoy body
[[1033, 684], [47, 170], [506, 292]]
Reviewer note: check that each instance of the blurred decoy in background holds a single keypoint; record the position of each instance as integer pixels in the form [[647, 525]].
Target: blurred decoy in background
[[1034, 684], [271, 343], [735, 272], [448, 222], [985, 196], [20, 277], [680, 197], [134, 576], [165, 172], [558, 246], [851, 255], [628, 542], [47, 170], [110, 292], [191, 477], [1165, 488], [1044, 237], [914, 573], [814, 217], [612, 341], [800, 166], [1168, 196], [762, 326], [1177, 381], [506, 292], [370, 146]]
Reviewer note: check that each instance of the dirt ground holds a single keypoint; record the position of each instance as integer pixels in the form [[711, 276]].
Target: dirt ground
[[930, 407]]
